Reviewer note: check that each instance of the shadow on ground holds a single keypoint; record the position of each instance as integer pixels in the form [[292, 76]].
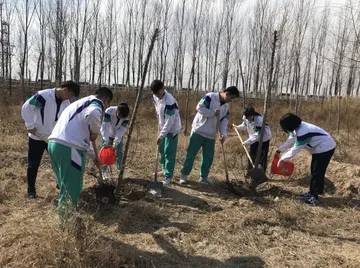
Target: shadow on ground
[[133, 257]]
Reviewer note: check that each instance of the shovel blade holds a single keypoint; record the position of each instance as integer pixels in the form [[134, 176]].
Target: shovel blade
[[156, 188], [258, 176]]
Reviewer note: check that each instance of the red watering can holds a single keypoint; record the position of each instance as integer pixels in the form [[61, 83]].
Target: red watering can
[[107, 156], [286, 169]]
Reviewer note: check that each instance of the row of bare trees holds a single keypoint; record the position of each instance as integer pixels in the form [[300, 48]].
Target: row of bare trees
[[203, 45]]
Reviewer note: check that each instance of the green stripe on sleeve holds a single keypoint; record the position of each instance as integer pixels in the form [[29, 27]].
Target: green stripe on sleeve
[[170, 112], [302, 143], [95, 103], [35, 102]]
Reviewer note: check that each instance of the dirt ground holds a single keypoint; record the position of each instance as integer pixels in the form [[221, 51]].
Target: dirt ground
[[190, 226]]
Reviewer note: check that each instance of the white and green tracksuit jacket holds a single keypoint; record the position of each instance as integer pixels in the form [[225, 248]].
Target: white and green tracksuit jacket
[[205, 121], [113, 127], [39, 112], [75, 123], [167, 111], [254, 128], [310, 137]]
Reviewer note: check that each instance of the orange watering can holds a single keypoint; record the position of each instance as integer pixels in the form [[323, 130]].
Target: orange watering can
[[286, 169], [107, 156]]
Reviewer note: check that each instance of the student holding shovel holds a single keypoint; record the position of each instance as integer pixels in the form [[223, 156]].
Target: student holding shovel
[[112, 131], [211, 108], [70, 141], [252, 122], [318, 142], [40, 113], [167, 111]]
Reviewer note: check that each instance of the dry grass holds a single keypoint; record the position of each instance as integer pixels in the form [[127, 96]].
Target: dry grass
[[193, 226]]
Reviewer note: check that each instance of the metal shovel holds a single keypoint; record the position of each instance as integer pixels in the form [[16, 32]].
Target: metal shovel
[[228, 183], [258, 175], [156, 188]]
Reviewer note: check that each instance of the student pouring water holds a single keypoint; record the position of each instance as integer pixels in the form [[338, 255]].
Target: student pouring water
[[112, 131], [314, 139]]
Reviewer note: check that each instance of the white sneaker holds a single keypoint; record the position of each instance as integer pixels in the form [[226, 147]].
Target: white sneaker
[[167, 181], [183, 179], [105, 174], [205, 180]]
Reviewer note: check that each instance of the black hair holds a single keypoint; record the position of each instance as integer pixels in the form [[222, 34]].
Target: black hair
[[156, 86], [289, 122], [72, 87], [250, 111], [123, 109], [232, 91], [105, 93]]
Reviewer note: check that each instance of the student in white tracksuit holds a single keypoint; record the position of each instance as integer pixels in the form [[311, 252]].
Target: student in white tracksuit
[[167, 111], [112, 131], [70, 142], [40, 113], [252, 123], [211, 108], [318, 142]]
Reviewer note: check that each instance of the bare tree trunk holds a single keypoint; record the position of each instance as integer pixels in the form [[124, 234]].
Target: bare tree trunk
[[37, 71], [134, 113], [217, 45], [25, 25], [243, 83], [130, 14], [196, 31], [268, 92], [231, 7], [94, 40], [141, 43], [177, 62]]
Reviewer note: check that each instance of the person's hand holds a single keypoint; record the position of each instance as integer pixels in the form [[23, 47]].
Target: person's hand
[[32, 131], [280, 163], [217, 112], [97, 162], [158, 140], [93, 136], [222, 139], [111, 141]]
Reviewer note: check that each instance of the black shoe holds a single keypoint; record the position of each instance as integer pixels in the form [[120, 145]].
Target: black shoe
[[32, 193]]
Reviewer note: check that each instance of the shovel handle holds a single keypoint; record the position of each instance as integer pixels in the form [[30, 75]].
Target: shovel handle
[[156, 157], [242, 143], [100, 178], [222, 149]]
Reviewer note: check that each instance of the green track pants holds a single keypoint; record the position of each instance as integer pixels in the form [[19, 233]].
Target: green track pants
[[69, 165], [167, 149], [208, 149]]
